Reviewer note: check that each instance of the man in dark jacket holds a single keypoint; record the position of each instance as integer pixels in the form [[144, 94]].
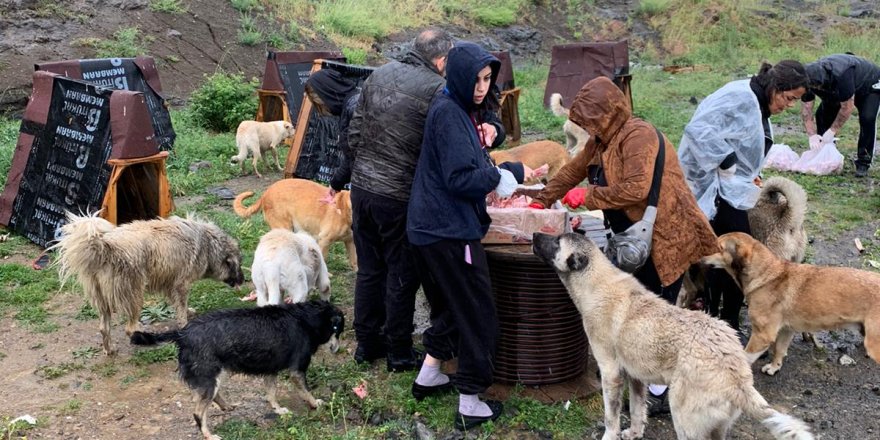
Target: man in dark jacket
[[385, 137], [843, 82]]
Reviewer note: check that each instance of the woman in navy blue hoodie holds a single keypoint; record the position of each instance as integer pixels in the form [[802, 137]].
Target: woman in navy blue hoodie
[[446, 220]]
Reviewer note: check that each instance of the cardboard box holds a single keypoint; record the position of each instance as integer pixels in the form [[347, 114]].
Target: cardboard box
[[516, 225]]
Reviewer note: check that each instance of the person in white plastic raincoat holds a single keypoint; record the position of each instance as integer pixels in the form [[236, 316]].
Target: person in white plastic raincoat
[[722, 152]]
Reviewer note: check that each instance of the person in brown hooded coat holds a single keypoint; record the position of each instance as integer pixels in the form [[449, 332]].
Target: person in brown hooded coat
[[618, 162]]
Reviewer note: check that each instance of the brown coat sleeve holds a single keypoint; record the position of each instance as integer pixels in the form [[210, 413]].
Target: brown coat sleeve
[[569, 176], [629, 180]]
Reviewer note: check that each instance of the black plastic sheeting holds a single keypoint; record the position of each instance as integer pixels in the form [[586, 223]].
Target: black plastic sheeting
[[67, 169]]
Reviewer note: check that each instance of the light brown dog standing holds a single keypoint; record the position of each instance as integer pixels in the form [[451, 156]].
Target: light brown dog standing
[[296, 204], [259, 137], [638, 337], [786, 297], [535, 155], [575, 136]]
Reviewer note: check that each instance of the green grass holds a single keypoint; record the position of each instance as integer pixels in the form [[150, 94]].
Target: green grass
[[163, 353], [351, 18], [652, 7], [168, 6], [355, 55], [126, 43], [60, 370]]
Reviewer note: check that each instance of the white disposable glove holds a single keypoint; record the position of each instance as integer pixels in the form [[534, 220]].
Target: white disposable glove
[[507, 184], [727, 173], [815, 141], [828, 137]]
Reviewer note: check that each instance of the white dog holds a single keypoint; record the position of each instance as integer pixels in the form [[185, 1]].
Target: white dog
[[575, 136], [257, 137], [289, 262]]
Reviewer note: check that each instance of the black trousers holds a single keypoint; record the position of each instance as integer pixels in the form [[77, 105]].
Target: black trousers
[[464, 322], [868, 106], [718, 283], [387, 278]]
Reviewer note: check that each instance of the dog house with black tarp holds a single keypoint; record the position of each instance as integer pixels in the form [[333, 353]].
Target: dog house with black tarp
[[82, 147], [314, 154], [573, 65], [135, 74], [284, 79]]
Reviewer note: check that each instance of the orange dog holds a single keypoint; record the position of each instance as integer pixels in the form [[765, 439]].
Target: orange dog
[[296, 204], [535, 155], [786, 297]]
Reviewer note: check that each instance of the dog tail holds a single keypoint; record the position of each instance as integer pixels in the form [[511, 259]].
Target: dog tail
[[82, 248], [556, 105], [782, 426], [241, 210], [795, 196], [144, 338]]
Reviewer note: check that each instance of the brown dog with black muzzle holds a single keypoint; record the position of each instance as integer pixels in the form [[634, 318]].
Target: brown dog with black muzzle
[[785, 298], [535, 155]]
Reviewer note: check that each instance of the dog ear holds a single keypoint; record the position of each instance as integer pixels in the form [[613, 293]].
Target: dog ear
[[577, 262]]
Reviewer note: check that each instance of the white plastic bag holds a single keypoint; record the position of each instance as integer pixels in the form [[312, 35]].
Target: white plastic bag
[[781, 157], [821, 161]]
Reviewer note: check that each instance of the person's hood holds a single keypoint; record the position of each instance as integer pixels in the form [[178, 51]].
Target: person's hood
[[332, 87], [464, 62], [600, 108]]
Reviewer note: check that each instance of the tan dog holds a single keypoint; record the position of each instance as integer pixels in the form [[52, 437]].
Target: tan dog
[[575, 136], [786, 297], [296, 204], [535, 155], [638, 336], [291, 263], [117, 265], [777, 220], [258, 137]]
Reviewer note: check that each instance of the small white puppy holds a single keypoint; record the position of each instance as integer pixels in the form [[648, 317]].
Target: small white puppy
[[257, 137], [288, 262]]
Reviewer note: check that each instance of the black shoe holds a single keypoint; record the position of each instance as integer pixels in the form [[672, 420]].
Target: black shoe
[[658, 405], [464, 423], [419, 392], [364, 355], [861, 170], [410, 361]]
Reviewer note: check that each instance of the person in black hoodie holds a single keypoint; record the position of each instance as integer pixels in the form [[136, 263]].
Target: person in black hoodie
[[385, 137], [446, 219], [333, 94]]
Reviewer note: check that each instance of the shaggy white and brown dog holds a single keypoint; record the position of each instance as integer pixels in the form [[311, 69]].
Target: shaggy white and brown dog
[[291, 263], [259, 137], [117, 265]]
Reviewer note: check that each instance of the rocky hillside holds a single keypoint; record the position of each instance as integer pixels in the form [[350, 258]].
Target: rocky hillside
[[190, 38]]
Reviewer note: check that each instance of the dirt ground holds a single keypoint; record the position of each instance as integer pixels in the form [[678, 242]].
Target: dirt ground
[[113, 398], [118, 399]]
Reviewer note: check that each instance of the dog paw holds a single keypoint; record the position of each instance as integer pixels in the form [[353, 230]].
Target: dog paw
[[282, 411], [318, 403], [770, 369], [610, 435], [630, 434]]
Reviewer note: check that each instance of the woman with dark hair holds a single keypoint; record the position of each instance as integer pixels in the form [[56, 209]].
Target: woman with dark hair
[[333, 94], [722, 152], [446, 220]]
